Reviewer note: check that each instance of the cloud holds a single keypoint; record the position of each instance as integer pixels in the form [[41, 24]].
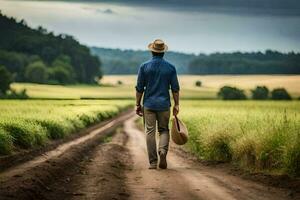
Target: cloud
[[265, 7], [99, 10], [106, 11]]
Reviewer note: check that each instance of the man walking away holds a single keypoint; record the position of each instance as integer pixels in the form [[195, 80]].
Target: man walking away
[[155, 78]]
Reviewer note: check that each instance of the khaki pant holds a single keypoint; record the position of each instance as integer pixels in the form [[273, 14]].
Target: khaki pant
[[152, 117]]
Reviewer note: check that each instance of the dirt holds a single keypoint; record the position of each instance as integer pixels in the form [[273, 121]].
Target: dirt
[[98, 167]]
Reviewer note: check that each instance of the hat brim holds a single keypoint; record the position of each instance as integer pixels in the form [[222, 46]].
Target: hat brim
[[151, 48]]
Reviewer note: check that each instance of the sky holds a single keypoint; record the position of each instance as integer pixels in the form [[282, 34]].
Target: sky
[[191, 26]]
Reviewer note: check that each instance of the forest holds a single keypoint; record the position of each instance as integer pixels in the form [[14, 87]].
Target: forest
[[268, 62], [117, 61], [39, 56]]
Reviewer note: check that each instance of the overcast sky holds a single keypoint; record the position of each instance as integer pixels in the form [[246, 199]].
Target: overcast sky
[[186, 25]]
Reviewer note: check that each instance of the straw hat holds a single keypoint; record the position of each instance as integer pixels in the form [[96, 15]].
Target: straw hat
[[158, 46], [179, 132]]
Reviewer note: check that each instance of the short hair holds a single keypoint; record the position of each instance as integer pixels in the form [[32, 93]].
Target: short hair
[[158, 54]]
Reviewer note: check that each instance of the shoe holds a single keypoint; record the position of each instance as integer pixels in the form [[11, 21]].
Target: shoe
[[153, 166], [162, 160]]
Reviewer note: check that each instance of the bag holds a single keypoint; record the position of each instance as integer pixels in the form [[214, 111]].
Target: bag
[[179, 132]]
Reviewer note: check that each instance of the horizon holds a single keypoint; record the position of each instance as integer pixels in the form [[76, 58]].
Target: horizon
[[127, 24], [200, 53]]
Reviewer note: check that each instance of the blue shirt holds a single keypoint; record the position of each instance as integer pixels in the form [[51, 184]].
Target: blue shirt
[[155, 78]]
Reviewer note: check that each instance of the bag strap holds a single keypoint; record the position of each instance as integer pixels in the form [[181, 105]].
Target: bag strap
[[177, 123]]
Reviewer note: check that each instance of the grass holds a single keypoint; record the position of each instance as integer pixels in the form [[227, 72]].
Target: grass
[[256, 135], [212, 83], [41, 91], [6, 142], [32, 123], [112, 90]]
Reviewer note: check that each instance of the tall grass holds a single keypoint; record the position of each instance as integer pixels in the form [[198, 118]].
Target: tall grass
[[6, 142], [27, 124], [263, 136]]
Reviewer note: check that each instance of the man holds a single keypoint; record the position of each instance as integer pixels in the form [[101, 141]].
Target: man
[[155, 78]]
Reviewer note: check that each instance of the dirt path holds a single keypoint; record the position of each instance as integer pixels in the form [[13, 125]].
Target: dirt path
[[116, 168], [186, 179]]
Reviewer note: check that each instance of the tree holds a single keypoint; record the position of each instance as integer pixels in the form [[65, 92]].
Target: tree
[[198, 83], [21, 39], [60, 75], [270, 62], [5, 79], [36, 72], [260, 92], [61, 70], [231, 93], [14, 63], [280, 94]]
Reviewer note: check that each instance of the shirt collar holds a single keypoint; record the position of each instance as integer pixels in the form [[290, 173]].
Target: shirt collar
[[156, 57]]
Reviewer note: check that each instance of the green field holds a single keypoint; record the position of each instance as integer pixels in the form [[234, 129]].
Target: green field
[[255, 135], [27, 124], [209, 89]]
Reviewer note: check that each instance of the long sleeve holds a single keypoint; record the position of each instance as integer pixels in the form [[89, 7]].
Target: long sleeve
[[174, 82], [140, 85]]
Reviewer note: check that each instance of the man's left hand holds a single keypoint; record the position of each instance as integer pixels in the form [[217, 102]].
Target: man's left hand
[[175, 110]]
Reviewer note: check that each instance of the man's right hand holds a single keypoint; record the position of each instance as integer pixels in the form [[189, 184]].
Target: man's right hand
[[175, 110], [138, 110]]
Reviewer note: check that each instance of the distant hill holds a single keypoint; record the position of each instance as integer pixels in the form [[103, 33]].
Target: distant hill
[[116, 61], [36, 55], [268, 62]]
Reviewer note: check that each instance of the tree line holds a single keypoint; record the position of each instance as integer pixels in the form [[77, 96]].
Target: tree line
[[268, 62], [117, 61], [39, 56]]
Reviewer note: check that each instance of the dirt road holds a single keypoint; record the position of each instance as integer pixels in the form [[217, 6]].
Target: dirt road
[[116, 168]]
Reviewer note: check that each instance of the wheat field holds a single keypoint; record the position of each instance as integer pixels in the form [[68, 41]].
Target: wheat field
[[111, 89], [256, 135]]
